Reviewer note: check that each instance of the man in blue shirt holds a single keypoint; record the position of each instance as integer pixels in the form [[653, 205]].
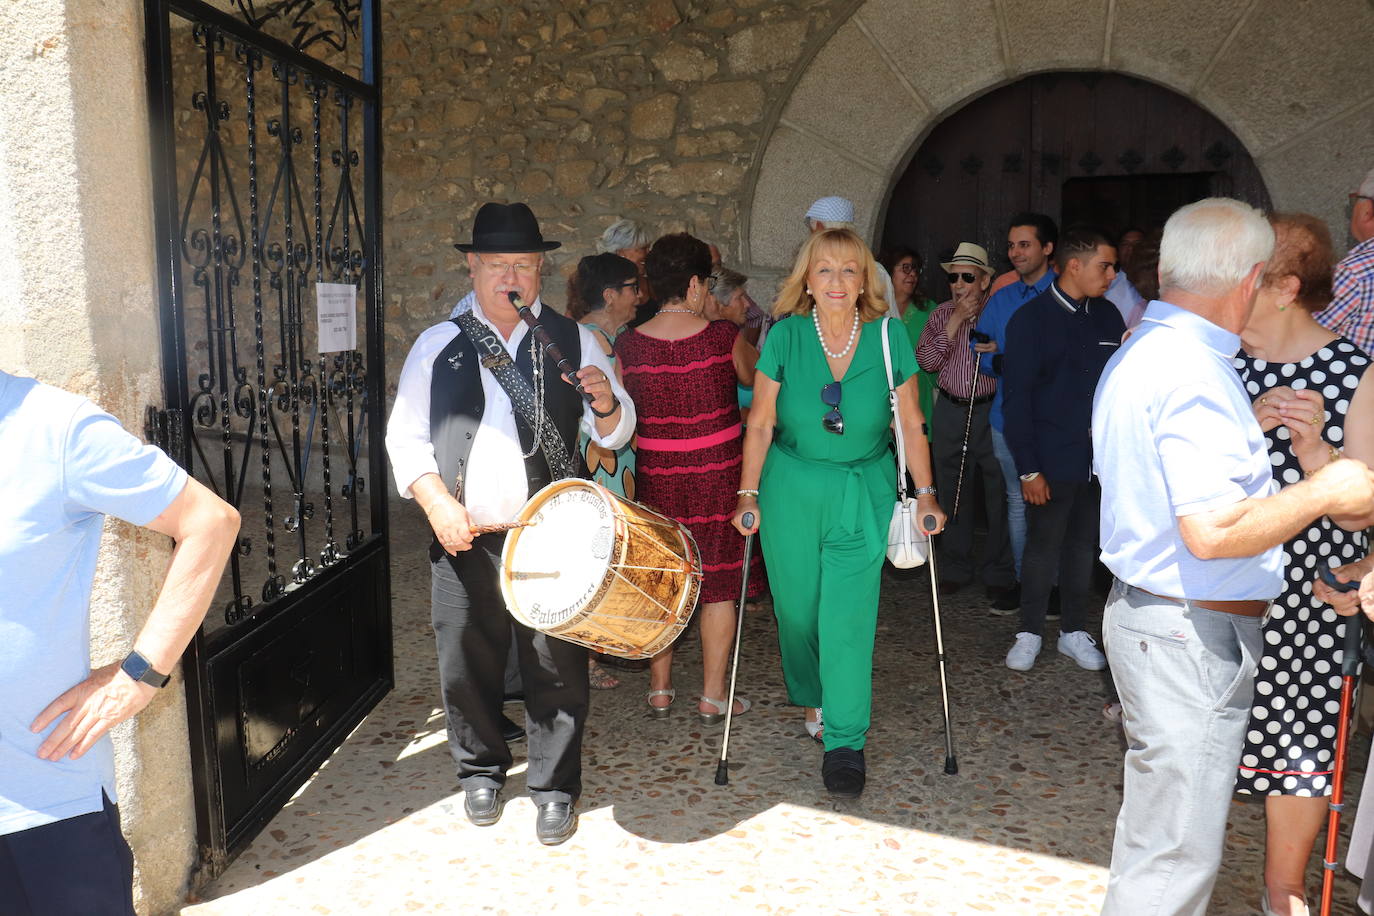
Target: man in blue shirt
[[1192, 523], [1030, 243], [64, 467], [1057, 345]]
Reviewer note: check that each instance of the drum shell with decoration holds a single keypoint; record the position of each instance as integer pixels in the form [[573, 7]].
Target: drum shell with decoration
[[600, 571]]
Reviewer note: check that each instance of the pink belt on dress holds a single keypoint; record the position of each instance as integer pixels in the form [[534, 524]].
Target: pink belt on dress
[[733, 431]]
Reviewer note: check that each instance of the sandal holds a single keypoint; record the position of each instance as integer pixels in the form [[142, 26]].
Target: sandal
[[598, 678], [816, 729], [660, 712], [844, 772], [711, 718]]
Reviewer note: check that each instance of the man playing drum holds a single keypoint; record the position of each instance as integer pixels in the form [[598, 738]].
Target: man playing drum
[[482, 420]]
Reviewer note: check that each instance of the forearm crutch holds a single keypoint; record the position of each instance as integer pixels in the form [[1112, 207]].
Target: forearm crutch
[[951, 763], [968, 429], [722, 768], [1350, 666]]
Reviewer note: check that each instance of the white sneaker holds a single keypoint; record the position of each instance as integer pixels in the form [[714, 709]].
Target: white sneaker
[[1021, 656], [1082, 648]]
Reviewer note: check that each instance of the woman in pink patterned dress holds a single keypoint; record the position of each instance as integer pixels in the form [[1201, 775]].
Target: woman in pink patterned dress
[[681, 370]]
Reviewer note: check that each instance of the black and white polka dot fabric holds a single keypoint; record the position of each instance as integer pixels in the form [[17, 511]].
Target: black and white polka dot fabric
[[1290, 741]]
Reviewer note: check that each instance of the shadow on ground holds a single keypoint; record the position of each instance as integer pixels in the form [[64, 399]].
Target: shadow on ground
[[1024, 827]]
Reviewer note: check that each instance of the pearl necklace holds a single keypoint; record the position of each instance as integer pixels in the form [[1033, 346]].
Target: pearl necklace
[[853, 335], [681, 312]]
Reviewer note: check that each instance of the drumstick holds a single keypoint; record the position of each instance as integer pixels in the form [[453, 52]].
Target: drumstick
[[722, 768], [498, 527]]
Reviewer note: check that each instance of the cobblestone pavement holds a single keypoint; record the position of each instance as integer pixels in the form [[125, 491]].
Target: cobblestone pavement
[[1024, 828]]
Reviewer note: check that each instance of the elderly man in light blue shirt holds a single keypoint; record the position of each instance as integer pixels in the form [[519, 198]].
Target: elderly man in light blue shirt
[[1192, 523]]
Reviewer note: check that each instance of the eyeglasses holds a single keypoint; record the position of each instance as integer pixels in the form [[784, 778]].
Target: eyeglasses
[[1354, 199], [711, 281], [966, 277], [628, 284], [500, 268], [834, 420], [906, 269]]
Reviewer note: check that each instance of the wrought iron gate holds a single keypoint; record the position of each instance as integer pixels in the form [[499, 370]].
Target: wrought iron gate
[[267, 180]]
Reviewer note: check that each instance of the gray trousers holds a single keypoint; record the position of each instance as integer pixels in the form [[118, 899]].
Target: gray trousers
[[1185, 675], [957, 564], [473, 633]]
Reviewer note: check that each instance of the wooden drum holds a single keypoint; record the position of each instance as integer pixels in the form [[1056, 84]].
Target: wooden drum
[[600, 571]]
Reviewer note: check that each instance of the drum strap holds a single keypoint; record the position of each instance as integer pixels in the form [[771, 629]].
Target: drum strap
[[497, 360]]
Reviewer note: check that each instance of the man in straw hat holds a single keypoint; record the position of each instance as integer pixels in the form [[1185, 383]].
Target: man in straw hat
[[961, 441], [482, 420]]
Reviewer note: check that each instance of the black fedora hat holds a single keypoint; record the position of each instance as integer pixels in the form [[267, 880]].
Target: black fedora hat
[[507, 228]]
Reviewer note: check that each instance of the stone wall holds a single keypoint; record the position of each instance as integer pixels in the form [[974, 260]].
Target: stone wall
[[78, 309], [585, 110]]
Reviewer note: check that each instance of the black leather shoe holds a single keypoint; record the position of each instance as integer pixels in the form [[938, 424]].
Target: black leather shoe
[[1005, 601], [556, 823], [482, 806], [843, 772], [511, 730], [949, 587]]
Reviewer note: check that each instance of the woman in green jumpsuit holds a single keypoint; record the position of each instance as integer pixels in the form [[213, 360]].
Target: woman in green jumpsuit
[[823, 488]]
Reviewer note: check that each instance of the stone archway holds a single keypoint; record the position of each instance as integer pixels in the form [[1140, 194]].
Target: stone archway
[[1290, 79]]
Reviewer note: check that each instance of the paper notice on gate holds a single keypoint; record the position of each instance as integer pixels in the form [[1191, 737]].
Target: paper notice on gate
[[336, 304]]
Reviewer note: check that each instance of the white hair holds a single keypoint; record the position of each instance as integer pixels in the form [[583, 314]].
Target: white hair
[[622, 234], [1210, 246]]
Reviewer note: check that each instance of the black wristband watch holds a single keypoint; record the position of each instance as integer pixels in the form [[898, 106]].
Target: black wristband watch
[[615, 405], [141, 670]]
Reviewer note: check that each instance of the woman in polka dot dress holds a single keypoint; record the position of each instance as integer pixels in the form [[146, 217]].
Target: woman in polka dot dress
[[1309, 399]]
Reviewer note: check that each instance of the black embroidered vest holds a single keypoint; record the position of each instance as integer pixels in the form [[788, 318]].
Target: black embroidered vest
[[456, 404]]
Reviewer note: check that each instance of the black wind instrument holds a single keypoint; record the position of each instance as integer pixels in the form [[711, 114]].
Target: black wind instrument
[[541, 335]]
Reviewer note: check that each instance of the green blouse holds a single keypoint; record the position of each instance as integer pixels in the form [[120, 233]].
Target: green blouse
[[792, 356]]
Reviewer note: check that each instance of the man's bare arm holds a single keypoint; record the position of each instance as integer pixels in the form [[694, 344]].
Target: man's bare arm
[[1252, 526], [205, 528]]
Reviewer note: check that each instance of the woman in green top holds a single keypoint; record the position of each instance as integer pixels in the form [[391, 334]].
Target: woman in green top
[[822, 490], [905, 266]]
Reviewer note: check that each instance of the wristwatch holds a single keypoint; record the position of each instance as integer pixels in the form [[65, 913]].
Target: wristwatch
[[1031, 476], [141, 670], [615, 405]]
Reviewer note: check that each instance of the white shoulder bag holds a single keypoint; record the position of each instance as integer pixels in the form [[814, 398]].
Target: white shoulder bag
[[906, 542]]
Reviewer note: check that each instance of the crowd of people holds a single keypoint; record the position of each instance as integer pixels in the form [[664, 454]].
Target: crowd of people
[[1181, 402], [1186, 404]]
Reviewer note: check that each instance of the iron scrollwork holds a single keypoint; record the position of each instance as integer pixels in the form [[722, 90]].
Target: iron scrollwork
[[306, 19], [261, 394]]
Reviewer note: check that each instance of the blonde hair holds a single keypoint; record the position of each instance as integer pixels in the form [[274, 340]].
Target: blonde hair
[[792, 296]]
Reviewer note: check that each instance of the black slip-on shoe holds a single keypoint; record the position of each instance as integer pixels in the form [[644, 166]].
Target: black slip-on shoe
[[556, 822], [482, 806], [844, 772]]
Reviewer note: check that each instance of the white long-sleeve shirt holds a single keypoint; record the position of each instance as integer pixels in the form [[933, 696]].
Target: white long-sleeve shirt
[[495, 486]]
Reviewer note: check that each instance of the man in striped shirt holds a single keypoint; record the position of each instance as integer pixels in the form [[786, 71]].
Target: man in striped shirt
[[1351, 311], [961, 438]]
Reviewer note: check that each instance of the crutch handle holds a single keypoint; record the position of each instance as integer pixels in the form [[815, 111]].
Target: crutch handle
[[747, 519], [928, 523]]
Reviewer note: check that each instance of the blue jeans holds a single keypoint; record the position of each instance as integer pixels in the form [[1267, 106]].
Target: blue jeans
[[1016, 507], [1186, 679]]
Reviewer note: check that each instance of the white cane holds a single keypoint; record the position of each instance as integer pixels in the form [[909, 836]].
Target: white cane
[[968, 429], [951, 764]]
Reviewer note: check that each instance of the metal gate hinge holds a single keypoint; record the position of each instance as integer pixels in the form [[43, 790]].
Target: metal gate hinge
[[163, 429]]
